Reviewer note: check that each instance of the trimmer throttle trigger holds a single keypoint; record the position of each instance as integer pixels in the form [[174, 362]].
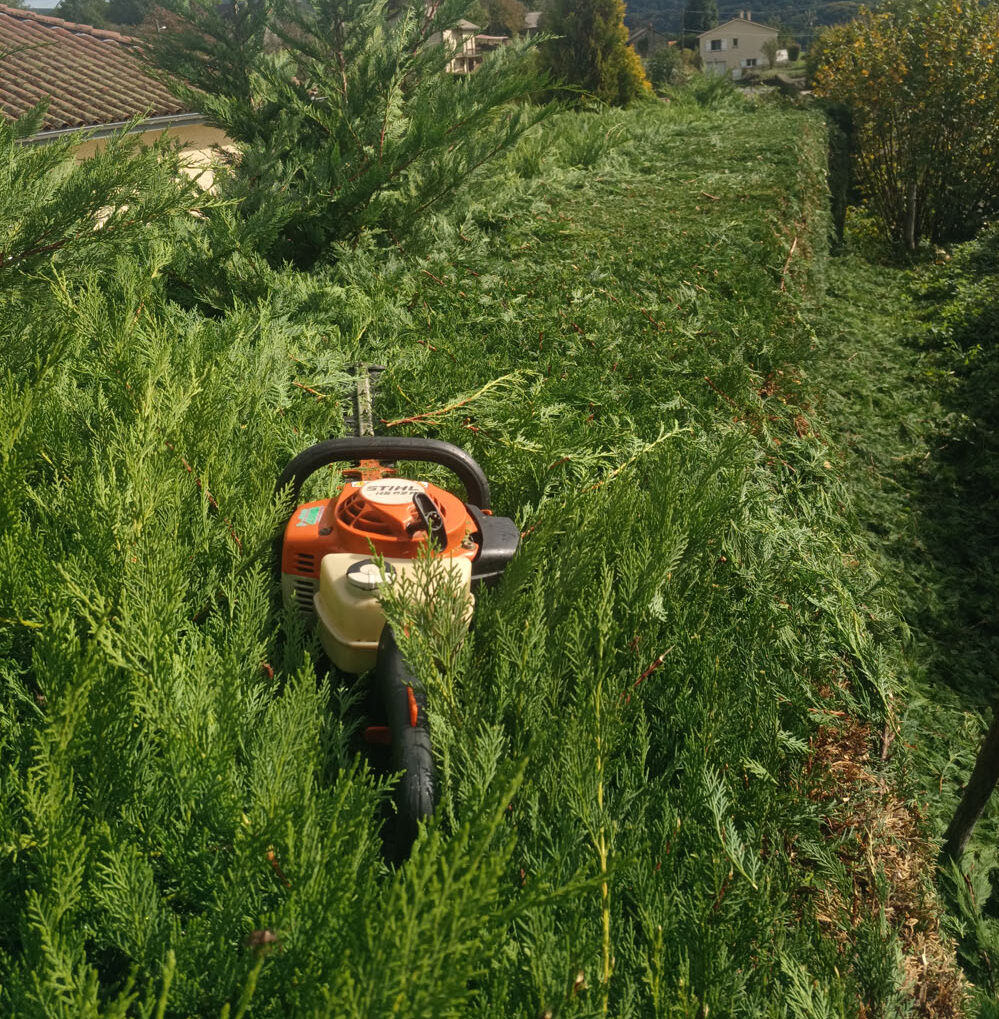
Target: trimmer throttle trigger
[[433, 522]]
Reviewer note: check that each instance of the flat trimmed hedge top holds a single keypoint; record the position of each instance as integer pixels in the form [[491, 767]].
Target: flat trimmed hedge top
[[613, 329]]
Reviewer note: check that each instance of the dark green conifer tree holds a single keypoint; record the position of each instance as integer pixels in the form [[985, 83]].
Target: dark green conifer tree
[[499, 17], [127, 12], [590, 50], [506, 16], [700, 15], [83, 12]]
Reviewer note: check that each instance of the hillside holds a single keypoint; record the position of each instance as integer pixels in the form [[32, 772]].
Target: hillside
[[660, 745]]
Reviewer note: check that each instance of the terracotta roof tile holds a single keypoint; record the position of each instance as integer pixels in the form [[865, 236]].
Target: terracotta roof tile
[[90, 76]]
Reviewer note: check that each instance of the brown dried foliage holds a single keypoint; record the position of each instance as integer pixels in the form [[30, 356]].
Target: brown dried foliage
[[878, 834]]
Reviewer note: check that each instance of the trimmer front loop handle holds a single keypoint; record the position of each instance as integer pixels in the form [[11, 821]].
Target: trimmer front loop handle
[[379, 447]]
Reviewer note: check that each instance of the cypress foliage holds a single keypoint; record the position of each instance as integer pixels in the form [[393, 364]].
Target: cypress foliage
[[590, 50], [60, 214], [173, 839], [345, 117]]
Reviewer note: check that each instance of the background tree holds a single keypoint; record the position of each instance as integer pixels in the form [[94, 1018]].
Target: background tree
[[128, 12], [665, 66], [922, 83], [350, 123], [83, 12], [787, 41], [769, 50], [591, 50], [504, 17], [700, 15]]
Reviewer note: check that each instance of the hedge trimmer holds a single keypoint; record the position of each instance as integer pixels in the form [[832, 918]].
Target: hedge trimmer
[[338, 552]]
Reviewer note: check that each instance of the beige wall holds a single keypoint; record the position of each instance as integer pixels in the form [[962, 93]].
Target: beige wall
[[197, 146], [462, 41], [740, 42]]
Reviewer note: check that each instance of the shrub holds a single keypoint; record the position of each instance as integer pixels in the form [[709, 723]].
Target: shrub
[[923, 86], [185, 831], [665, 66], [714, 91]]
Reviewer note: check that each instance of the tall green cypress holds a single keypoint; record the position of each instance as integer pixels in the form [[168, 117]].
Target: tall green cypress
[[700, 15], [591, 50]]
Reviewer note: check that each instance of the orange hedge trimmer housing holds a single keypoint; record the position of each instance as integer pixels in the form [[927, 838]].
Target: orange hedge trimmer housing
[[330, 574]]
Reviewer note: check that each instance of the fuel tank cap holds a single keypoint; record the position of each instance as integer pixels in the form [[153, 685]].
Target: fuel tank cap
[[368, 575]]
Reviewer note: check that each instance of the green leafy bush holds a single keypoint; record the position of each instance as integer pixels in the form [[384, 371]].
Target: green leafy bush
[[665, 66], [922, 82]]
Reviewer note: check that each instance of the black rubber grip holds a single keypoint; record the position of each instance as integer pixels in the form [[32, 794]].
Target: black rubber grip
[[379, 447], [416, 792]]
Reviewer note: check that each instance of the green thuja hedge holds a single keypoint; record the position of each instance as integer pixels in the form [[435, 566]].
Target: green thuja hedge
[[625, 825]]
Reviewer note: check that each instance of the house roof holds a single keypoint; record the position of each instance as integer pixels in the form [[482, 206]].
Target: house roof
[[739, 21], [91, 77], [640, 33]]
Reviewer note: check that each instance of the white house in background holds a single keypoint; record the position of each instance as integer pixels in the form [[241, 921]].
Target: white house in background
[[735, 46]]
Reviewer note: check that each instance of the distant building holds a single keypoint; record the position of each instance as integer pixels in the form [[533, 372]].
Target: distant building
[[735, 46], [461, 40], [94, 82], [470, 44], [646, 41]]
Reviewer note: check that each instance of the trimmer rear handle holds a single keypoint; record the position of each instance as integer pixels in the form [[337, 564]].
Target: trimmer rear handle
[[379, 447]]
